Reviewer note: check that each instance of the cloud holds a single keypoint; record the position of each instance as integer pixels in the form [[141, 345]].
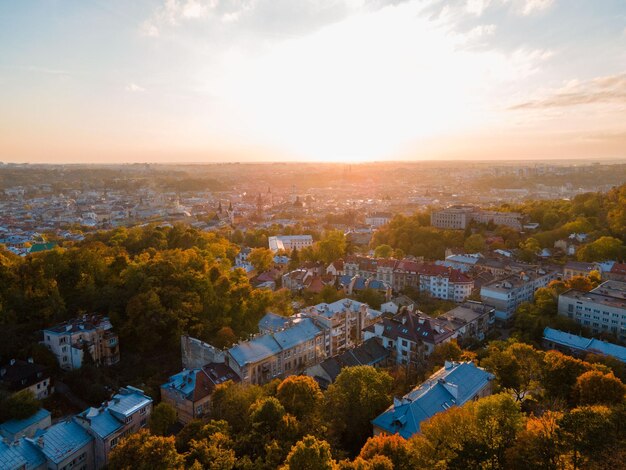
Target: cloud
[[522, 7], [134, 88], [602, 90]]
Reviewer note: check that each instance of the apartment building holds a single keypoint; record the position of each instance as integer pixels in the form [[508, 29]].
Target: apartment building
[[470, 321], [378, 219], [602, 309], [444, 283], [125, 413], [580, 346], [453, 385], [20, 375], [278, 354], [508, 293], [189, 392], [70, 340], [289, 242]]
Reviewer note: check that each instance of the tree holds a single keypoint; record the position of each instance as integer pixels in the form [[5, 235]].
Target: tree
[[332, 246], [597, 388], [142, 451], [383, 251], [538, 445], [265, 415], [310, 454], [394, 447], [358, 395], [300, 395], [162, 418], [262, 259], [604, 248], [231, 402], [475, 244], [19, 405], [448, 351], [560, 373], [213, 453]]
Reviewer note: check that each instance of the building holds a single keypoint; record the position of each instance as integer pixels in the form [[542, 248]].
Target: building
[[16, 428], [189, 391], [470, 320], [66, 445], [369, 353], [342, 323], [378, 219], [289, 242], [577, 268], [70, 340], [617, 272], [126, 413], [21, 454], [410, 336], [508, 293], [602, 309], [458, 217], [453, 385], [580, 346], [20, 375], [444, 283], [279, 354]]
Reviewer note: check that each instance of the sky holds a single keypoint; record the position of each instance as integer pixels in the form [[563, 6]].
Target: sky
[[118, 81]]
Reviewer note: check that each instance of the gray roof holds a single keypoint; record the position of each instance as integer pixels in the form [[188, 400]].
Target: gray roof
[[585, 344], [61, 440]]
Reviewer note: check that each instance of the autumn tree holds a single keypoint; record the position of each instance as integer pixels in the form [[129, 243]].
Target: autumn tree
[[300, 395], [332, 246], [394, 447], [538, 445], [597, 388], [310, 454], [162, 418], [383, 251], [142, 451], [262, 259], [475, 244], [212, 454]]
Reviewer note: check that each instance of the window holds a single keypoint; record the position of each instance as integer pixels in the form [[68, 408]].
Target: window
[[128, 419], [143, 410]]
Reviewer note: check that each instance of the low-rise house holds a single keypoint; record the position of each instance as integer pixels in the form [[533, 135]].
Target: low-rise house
[[453, 385], [369, 353], [189, 391], [602, 309], [20, 375], [578, 268], [16, 428], [126, 413], [70, 340], [581, 346]]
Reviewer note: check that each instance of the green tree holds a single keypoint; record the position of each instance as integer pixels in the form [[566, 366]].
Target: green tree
[[383, 251], [332, 246], [475, 244], [358, 395], [19, 405], [213, 454], [604, 248], [142, 451], [310, 454], [162, 419]]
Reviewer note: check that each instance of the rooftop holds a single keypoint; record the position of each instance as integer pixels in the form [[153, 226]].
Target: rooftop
[[585, 344], [61, 440], [15, 426]]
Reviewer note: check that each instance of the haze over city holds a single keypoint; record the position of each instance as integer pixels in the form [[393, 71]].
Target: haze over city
[[336, 81]]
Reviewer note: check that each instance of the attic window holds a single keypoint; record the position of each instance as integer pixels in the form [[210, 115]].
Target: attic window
[[404, 330]]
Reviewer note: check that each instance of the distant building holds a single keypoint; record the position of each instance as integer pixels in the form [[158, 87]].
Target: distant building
[[68, 341], [453, 385], [378, 219], [581, 346], [189, 391], [289, 242], [602, 309], [20, 375], [507, 294], [458, 217], [617, 272], [577, 268]]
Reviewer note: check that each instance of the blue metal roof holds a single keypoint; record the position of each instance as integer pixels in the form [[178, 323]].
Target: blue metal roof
[[184, 382], [15, 426], [585, 344], [127, 401], [254, 350], [19, 455], [301, 332], [452, 385], [272, 322], [101, 421], [62, 440]]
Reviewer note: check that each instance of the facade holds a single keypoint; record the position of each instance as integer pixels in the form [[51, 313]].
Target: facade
[[66, 445], [580, 346], [470, 320], [279, 354], [507, 294], [126, 413], [453, 385], [189, 391], [602, 309], [458, 217], [289, 242], [68, 341], [26, 375], [444, 283]]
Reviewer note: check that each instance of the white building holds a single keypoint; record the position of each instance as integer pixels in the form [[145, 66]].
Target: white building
[[378, 219], [289, 242]]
